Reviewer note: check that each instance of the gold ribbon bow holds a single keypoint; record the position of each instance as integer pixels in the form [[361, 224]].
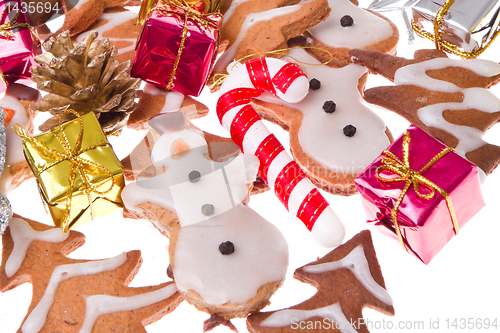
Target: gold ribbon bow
[[441, 44], [189, 13], [78, 165], [6, 33], [413, 178]]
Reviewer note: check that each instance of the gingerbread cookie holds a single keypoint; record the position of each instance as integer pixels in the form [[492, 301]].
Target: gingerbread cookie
[[213, 234], [446, 98], [15, 105], [257, 26], [78, 295], [120, 26], [348, 279], [333, 136], [350, 27], [156, 100], [85, 12]]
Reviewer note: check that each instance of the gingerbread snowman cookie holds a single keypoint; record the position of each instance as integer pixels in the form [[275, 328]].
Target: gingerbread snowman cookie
[[333, 135], [225, 258]]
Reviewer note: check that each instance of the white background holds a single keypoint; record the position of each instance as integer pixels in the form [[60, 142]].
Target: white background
[[461, 281]]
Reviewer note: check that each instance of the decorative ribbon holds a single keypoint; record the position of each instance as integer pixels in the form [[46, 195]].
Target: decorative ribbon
[[78, 165], [444, 45], [412, 178], [183, 8], [6, 33]]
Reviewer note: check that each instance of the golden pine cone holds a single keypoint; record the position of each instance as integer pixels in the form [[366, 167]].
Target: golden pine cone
[[84, 77]]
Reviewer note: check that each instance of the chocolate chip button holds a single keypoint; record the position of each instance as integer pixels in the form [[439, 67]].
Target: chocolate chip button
[[194, 176], [226, 248], [208, 209], [314, 84], [349, 130], [329, 106], [346, 21]]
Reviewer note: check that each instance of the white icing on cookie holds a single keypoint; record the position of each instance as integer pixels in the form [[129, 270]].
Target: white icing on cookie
[[98, 305], [36, 320], [260, 257], [368, 29], [321, 134], [22, 235], [114, 20], [289, 317], [469, 138], [250, 21], [356, 262]]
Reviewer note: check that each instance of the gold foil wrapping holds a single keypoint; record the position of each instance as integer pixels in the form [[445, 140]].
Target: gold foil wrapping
[[78, 174]]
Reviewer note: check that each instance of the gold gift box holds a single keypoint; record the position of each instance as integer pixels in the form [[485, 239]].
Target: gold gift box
[[95, 159]]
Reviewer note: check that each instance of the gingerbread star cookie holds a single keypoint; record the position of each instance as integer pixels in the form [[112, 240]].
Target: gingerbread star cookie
[[446, 98], [347, 27], [333, 135], [78, 295], [348, 279]]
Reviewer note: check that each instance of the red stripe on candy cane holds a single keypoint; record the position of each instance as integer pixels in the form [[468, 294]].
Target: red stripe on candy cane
[[311, 208], [245, 118], [286, 181], [259, 75], [234, 98], [286, 75], [267, 151]]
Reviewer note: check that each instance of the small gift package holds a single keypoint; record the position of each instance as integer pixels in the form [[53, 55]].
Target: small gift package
[[420, 192], [18, 42], [78, 174], [462, 27], [177, 46]]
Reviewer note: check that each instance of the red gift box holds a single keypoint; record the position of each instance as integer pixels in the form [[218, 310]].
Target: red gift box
[[18, 43], [442, 188], [177, 47]]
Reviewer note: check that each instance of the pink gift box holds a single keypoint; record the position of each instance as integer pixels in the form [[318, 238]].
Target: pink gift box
[[17, 52], [159, 45], [425, 224]]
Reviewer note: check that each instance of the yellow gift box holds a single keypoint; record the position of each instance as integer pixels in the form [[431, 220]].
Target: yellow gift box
[[77, 171]]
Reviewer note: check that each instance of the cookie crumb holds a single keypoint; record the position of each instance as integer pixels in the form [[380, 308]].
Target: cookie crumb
[[346, 21], [226, 248], [349, 130], [329, 106], [314, 84]]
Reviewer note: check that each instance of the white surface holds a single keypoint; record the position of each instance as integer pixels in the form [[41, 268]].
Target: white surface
[[462, 281]]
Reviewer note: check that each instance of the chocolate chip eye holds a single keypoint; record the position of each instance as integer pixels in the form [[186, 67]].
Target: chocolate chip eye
[[226, 248], [349, 130], [329, 106], [346, 21], [314, 84], [194, 176], [208, 209]]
